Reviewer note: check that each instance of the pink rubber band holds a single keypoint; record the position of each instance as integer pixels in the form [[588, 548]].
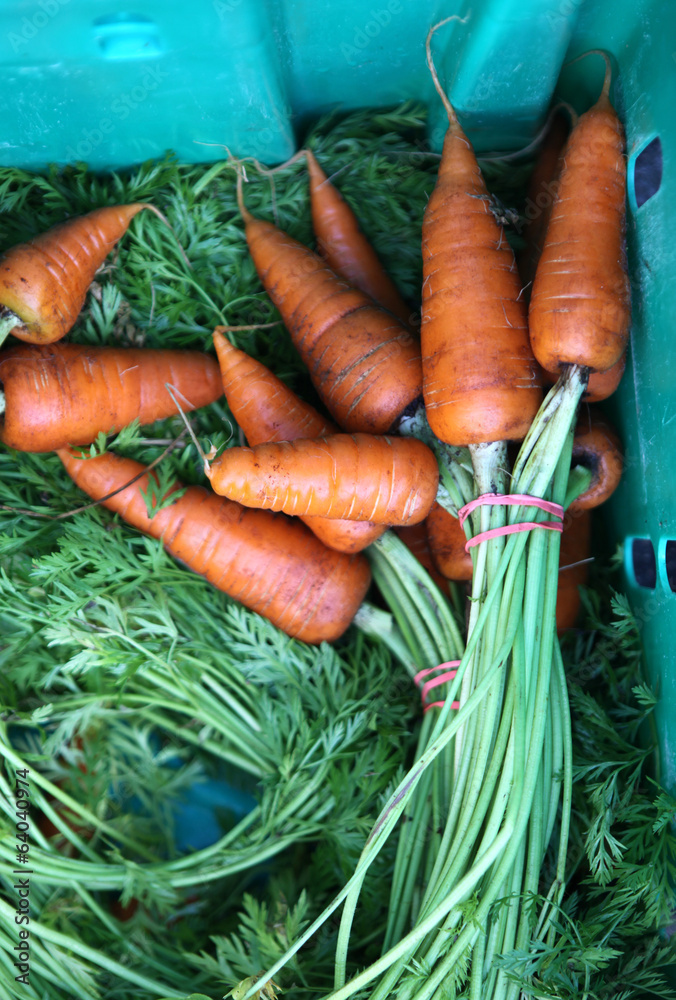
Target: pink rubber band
[[509, 499], [511, 529], [442, 678]]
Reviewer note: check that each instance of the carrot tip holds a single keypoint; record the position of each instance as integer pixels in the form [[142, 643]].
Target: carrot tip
[[450, 110]]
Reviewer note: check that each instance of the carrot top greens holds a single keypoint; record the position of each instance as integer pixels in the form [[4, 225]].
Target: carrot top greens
[[127, 684]]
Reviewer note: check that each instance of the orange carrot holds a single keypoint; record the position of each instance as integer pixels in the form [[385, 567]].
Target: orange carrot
[[43, 283], [601, 385], [541, 193], [596, 446], [363, 362], [270, 563], [67, 393], [267, 410], [414, 537], [580, 306], [480, 380], [575, 548], [447, 544], [344, 246], [360, 477]]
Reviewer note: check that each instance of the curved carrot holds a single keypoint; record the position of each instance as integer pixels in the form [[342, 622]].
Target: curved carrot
[[270, 563], [541, 193], [344, 246], [68, 393], [43, 283], [596, 446], [480, 380], [580, 306], [447, 545], [575, 549], [363, 362], [267, 411], [360, 477], [601, 385]]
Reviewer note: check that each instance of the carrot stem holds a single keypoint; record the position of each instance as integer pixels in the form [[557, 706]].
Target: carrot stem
[[452, 117], [8, 320]]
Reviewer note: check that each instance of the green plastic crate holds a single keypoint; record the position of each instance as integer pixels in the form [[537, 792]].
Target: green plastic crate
[[112, 84]]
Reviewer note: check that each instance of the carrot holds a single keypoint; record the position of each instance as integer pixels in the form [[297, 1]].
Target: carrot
[[344, 246], [43, 283], [267, 410], [575, 548], [480, 382], [415, 538], [580, 306], [363, 362], [601, 385], [360, 477], [270, 563], [541, 193], [67, 393], [596, 446], [447, 544]]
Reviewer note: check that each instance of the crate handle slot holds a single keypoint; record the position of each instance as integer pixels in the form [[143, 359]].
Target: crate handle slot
[[645, 172], [640, 562], [127, 36]]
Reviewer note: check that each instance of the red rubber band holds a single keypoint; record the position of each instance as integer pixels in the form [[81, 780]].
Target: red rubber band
[[511, 499], [512, 529], [447, 675]]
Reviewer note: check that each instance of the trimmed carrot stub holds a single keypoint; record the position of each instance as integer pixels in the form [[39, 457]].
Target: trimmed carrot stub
[[267, 411], [481, 383], [43, 283], [598, 448], [601, 385], [447, 544], [68, 393], [580, 306], [363, 362], [270, 563], [344, 246], [573, 567], [360, 477]]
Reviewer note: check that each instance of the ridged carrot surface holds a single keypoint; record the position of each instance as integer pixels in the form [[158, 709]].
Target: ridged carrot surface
[[480, 381], [580, 305], [267, 410], [355, 476], [363, 362], [344, 246], [44, 281], [270, 563], [541, 195], [67, 393], [447, 544], [596, 446]]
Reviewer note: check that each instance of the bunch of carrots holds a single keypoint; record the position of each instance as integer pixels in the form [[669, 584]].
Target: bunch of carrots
[[418, 436], [494, 765]]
